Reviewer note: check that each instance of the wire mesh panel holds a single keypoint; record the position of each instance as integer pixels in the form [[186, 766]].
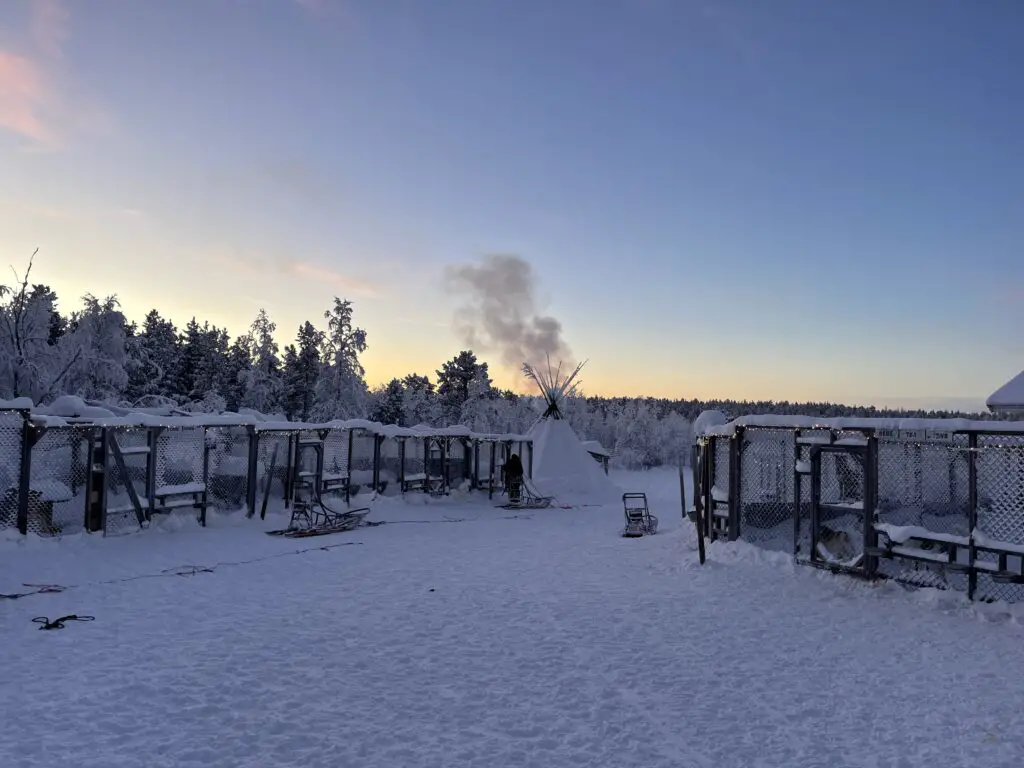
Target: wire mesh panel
[[11, 434], [133, 443], [457, 468], [803, 529], [924, 487], [336, 453], [271, 457], [766, 488], [362, 458], [840, 524], [179, 459], [1000, 467], [228, 472], [720, 486], [415, 459], [390, 458], [57, 490]]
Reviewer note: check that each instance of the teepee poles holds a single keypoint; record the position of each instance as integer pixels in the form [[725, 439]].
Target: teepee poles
[[553, 386]]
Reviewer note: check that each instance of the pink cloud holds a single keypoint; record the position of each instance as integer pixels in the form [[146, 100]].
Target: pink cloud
[[24, 94], [34, 97], [346, 285]]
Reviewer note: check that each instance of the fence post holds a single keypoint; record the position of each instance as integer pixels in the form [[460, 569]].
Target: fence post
[[348, 468], [252, 460], [972, 510], [870, 504], [25, 471], [206, 477], [735, 482], [377, 440], [153, 438], [96, 496]]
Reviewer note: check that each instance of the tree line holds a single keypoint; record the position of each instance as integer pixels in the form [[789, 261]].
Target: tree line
[[96, 353]]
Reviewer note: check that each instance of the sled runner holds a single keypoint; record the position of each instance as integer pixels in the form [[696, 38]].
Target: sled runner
[[522, 494]]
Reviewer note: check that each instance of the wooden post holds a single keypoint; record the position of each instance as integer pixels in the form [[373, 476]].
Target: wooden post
[[348, 468], [28, 439], [252, 470]]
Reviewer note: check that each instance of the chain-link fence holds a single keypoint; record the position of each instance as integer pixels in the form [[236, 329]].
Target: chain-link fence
[[1000, 512], [272, 462], [133, 445], [361, 477], [138, 470], [924, 487], [947, 507], [11, 437], [58, 480], [228, 467], [766, 493]]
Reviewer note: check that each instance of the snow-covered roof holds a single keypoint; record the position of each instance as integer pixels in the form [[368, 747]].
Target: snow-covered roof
[[815, 422], [68, 411], [596, 448], [1009, 397]]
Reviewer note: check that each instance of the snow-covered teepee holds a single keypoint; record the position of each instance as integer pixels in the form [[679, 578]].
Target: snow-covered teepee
[[561, 465]]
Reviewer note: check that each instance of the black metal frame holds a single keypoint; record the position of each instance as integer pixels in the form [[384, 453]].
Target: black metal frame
[[704, 472]]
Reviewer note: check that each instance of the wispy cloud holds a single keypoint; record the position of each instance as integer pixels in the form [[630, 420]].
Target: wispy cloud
[[32, 101], [349, 286], [24, 94], [268, 267]]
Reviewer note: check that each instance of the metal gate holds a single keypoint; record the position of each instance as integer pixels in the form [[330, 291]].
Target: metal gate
[[841, 529]]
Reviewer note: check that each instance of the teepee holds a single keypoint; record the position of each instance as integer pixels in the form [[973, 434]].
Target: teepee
[[562, 467]]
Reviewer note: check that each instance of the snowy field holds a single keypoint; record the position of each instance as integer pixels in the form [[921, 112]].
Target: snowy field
[[481, 638]]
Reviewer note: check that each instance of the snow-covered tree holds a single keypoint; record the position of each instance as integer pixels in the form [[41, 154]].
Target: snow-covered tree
[[161, 356], [389, 404], [32, 361], [419, 401], [341, 389], [301, 372], [96, 339], [460, 378], [263, 380]]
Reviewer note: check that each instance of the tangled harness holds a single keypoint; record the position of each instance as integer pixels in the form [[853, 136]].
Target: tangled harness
[[59, 623]]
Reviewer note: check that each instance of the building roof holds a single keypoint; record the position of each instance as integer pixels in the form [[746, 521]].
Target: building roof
[[1009, 397]]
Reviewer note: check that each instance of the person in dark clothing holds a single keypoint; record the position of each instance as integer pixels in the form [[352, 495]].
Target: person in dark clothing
[[513, 471]]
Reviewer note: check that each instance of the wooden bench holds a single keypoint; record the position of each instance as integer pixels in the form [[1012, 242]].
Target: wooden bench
[[170, 497], [334, 482], [414, 482]]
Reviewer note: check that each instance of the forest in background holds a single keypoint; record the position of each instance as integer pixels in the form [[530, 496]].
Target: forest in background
[[96, 353]]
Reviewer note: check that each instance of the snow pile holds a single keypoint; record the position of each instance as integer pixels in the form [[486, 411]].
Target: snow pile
[[1009, 397], [708, 419], [563, 468]]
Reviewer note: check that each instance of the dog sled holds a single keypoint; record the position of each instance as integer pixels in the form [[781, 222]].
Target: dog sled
[[523, 494], [639, 520]]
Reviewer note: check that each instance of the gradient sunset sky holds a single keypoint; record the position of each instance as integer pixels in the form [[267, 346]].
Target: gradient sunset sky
[[787, 199]]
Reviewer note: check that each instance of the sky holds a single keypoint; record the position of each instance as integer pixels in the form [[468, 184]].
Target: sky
[[796, 199]]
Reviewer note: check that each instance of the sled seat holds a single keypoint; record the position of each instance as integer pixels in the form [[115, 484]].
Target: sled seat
[[639, 520]]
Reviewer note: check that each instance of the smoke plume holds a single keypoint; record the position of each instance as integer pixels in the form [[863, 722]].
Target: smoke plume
[[500, 313]]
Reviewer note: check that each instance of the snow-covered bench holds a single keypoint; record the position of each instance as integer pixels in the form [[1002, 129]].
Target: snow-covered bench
[[170, 497], [332, 482], [959, 553], [415, 481]]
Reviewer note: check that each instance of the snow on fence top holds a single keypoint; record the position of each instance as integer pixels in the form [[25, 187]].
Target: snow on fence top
[[815, 422], [17, 404], [1009, 397], [66, 411]]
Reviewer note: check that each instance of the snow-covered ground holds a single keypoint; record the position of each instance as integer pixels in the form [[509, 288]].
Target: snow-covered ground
[[480, 637]]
